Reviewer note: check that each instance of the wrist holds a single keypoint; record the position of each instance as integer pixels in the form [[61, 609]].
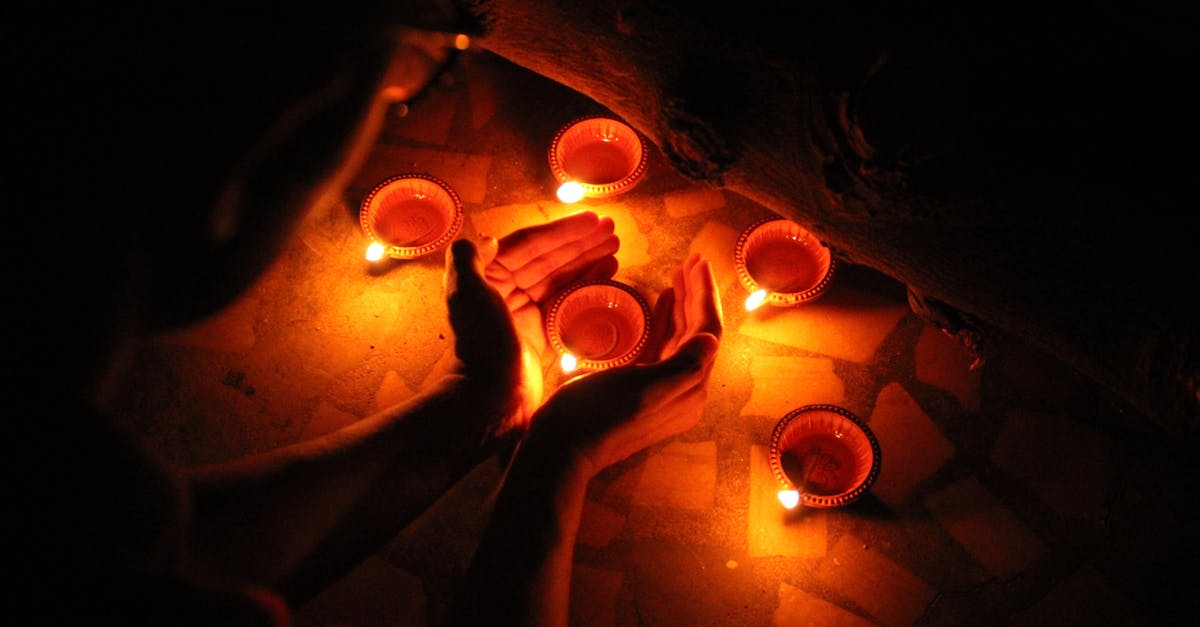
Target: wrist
[[555, 450], [458, 421]]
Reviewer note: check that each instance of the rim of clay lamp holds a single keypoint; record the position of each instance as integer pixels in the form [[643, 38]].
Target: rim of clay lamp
[[847, 419], [594, 190], [370, 207], [553, 331], [781, 299]]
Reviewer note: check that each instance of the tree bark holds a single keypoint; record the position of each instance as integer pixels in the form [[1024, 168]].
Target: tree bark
[[1028, 172]]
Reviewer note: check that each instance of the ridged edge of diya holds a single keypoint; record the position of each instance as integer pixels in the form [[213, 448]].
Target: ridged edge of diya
[[635, 298], [369, 207], [778, 298], [784, 433], [579, 126]]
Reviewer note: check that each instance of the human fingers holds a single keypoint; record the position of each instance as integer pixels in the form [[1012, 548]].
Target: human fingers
[[593, 245], [499, 276], [557, 272], [605, 268], [660, 325], [519, 247], [585, 268], [516, 299], [531, 256], [678, 318], [486, 249], [703, 307]]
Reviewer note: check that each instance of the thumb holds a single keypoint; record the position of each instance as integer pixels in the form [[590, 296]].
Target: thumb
[[481, 324], [463, 266]]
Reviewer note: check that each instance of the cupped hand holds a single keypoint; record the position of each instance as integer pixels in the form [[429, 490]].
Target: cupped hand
[[531, 265], [493, 294], [489, 357], [692, 305], [603, 417]]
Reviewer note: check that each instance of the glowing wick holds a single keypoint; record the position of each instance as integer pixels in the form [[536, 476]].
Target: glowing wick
[[375, 251], [789, 498], [755, 300], [568, 362], [570, 192]]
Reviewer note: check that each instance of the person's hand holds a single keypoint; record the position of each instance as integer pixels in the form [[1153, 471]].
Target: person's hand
[[488, 354], [497, 322], [603, 417], [690, 306], [531, 265]]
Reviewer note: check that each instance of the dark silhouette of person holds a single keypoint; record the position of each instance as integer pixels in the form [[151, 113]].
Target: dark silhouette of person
[[164, 155]]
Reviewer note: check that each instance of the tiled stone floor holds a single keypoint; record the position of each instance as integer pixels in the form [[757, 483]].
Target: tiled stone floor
[[1015, 494]]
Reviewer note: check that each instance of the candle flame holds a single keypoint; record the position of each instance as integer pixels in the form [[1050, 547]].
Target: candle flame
[[462, 42], [570, 192], [375, 251], [789, 498], [568, 362], [756, 300]]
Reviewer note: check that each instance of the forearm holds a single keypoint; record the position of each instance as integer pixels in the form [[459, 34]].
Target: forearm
[[300, 516], [521, 571]]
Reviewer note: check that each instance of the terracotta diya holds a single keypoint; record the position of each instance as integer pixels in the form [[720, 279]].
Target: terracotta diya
[[781, 263], [598, 324], [826, 454], [604, 156], [411, 215]]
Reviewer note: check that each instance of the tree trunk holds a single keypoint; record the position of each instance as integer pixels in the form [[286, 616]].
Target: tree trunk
[[1024, 172]]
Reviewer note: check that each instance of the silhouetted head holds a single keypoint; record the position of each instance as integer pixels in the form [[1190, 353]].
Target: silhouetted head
[[162, 157], [168, 153]]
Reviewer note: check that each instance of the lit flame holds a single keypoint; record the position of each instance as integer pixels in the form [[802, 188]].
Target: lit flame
[[755, 300], [375, 251], [568, 362], [789, 498], [462, 42], [570, 192]]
